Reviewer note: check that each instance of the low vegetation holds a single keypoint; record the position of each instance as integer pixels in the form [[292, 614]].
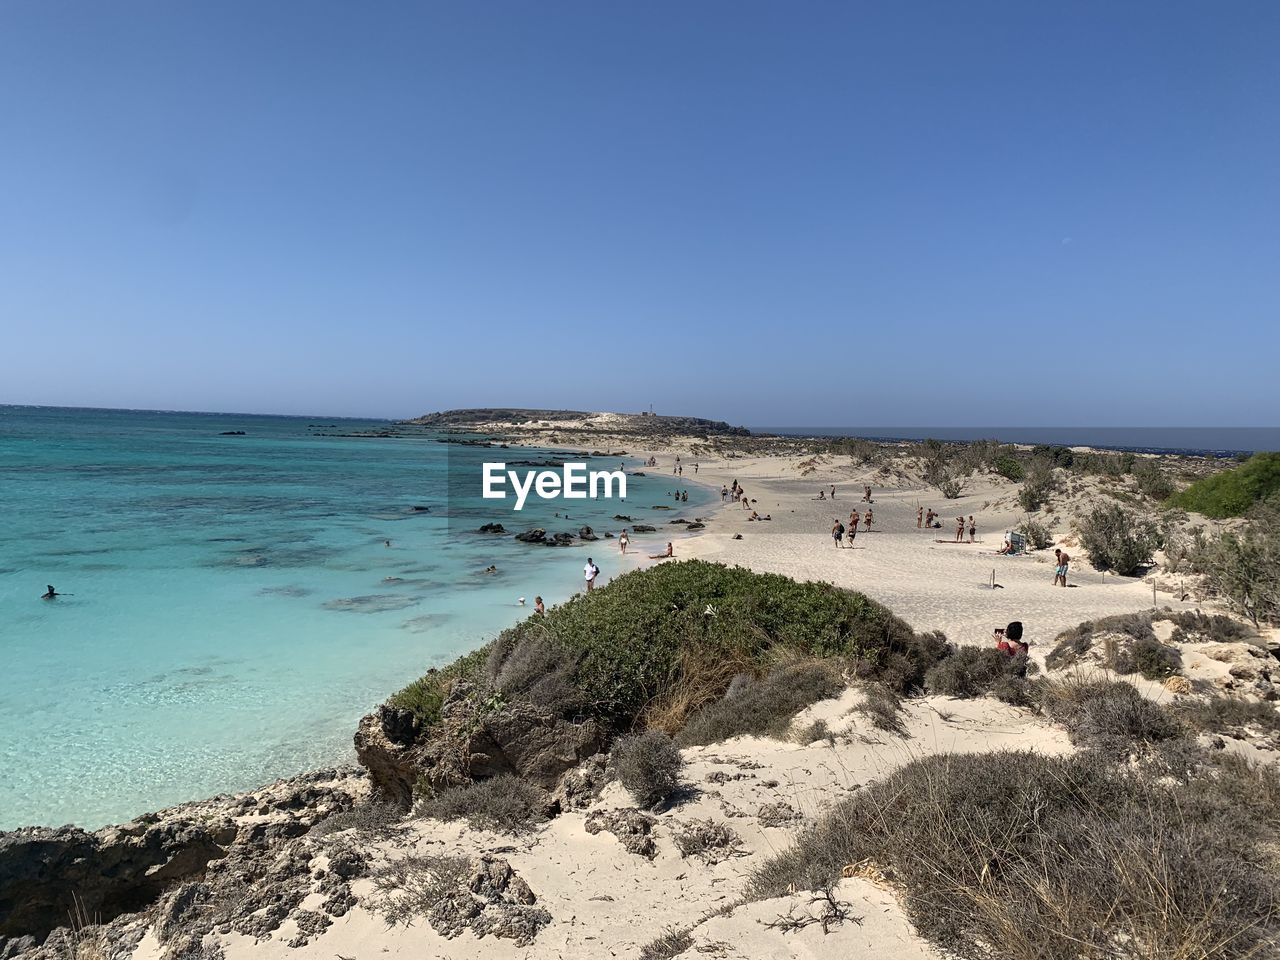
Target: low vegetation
[[765, 706], [1017, 855], [1243, 566], [648, 766], [1232, 493], [1117, 538], [657, 645], [504, 804], [975, 672], [1108, 716]]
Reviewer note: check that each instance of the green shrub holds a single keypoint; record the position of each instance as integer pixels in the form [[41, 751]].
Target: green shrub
[[505, 804], [763, 707], [1009, 468], [1118, 539], [648, 766], [1151, 480], [1232, 492], [1228, 715], [1019, 855], [667, 945], [670, 639], [1192, 626], [883, 708]]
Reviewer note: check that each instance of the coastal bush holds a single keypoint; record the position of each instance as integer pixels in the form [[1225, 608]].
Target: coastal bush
[[1019, 855], [1231, 493], [1244, 567], [1151, 480], [668, 640], [1108, 716], [369, 821], [1009, 467], [1037, 485], [1228, 715], [883, 708], [504, 804], [648, 766], [667, 945], [1151, 658], [973, 672], [1118, 539], [764, 706], [1072, 644], [1037, 533], [1192, 626], [425, 696]]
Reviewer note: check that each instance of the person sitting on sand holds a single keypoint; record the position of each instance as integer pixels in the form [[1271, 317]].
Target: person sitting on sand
[[837, 534], [662, 556], [623, 540], [1007, 546], [538, 606], [50, 594], [822, 495], [1009, 640]]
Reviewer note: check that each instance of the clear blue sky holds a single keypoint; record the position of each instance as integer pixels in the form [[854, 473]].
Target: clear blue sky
[[784, 213]]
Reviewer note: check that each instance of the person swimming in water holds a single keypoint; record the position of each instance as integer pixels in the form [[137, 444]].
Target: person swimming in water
[[50, 594]]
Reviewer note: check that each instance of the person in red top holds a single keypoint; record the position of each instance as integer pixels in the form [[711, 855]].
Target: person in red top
[[1009, 640]]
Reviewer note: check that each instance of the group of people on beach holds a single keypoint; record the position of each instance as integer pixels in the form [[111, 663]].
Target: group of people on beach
[[839, 530]]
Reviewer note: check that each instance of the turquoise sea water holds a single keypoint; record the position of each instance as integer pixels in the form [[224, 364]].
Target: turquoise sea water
[[232, 607]]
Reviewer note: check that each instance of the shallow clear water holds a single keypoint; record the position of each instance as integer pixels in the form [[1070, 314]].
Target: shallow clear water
[[229, 615]]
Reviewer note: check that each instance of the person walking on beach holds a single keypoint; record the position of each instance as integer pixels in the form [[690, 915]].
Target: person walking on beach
[[973, 529], [866, 519], [833, 491], [590, 572], [866, 493], [853, 527], [919, 517], [929, 517], [695, 469], [623, 540], [837, 534], [1060, 572], [724, 493]]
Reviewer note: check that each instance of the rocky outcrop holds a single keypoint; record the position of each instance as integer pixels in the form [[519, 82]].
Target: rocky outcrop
[[47, 874], [472, 741], [492, 528], [536, 535], [586, 533]]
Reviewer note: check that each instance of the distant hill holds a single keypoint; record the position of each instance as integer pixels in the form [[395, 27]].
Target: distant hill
[[640, 424]]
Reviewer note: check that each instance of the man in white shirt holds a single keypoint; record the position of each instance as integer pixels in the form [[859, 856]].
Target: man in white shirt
[[591, 571]]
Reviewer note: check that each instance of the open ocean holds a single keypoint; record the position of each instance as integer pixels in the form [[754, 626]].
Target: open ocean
[[232, 609]]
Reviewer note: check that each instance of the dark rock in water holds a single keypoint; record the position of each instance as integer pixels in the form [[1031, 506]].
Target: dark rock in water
[[638, 473], [492, 528], [421, 509], [586, 533], [536, 535], [562, 539], [622, 516], [678, 520], [697, 525], [659, 507], [644, 528], [608, 535], [231, 433]]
